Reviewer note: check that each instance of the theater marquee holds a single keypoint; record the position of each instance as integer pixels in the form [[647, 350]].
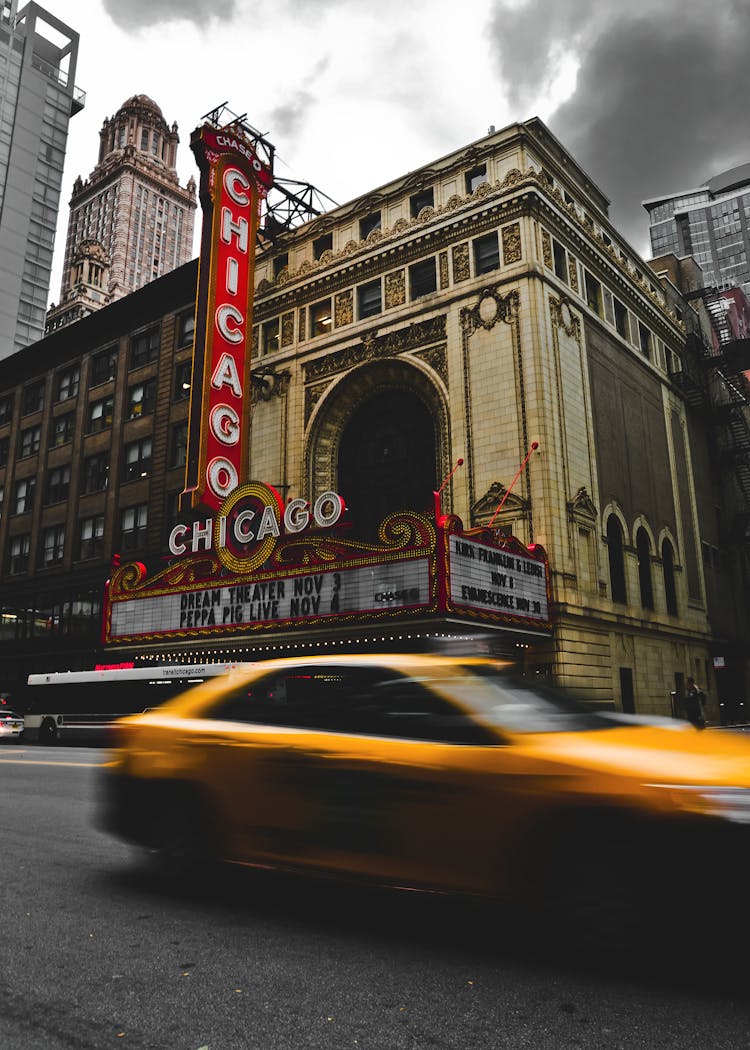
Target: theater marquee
[[311, 575]]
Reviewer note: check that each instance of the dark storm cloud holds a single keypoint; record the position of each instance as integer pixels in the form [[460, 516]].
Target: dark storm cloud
[[140, 14], [661, 99]]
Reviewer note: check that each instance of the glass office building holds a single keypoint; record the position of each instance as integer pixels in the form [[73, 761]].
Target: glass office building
[[38, 97], [711, 223]]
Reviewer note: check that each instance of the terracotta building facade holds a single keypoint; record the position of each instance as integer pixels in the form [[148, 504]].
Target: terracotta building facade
[[131, 210], [469, 310]]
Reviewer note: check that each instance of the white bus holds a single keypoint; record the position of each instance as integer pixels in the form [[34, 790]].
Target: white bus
[[80, 706]]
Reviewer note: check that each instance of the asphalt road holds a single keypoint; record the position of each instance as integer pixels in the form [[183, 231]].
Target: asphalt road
[[94, 955]]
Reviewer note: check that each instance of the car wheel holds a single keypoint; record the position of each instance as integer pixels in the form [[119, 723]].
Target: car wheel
[[181, 852], [48, 732]]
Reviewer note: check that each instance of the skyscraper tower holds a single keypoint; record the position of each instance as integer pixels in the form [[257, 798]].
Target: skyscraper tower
[[133, 206], [710, 222], [38, 55]]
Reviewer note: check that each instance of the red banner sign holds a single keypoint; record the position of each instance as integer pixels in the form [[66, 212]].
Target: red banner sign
[[233, 182]]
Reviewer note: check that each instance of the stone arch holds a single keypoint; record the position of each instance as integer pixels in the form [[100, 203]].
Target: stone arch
[[343, 399]]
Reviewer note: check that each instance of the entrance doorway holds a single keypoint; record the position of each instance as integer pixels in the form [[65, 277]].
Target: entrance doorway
[[387, 460]]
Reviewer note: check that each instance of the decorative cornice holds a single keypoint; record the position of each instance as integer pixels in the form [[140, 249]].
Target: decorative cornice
[[484, 508], [582, 508], [374, 347]]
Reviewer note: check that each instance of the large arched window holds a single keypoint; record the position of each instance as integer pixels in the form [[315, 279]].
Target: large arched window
[[643, 547], [616, 560], [670, 591], [387, 459]]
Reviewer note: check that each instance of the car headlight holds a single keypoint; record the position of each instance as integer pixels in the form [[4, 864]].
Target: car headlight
[[728, 803]]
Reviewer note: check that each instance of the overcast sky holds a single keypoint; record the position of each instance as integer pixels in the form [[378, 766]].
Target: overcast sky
[[649, 96]]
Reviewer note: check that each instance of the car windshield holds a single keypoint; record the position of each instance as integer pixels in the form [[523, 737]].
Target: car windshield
[[509, 701]]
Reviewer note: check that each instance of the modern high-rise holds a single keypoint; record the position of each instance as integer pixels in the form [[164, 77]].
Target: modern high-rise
[[711, 223], [38, 55], [130, 221]]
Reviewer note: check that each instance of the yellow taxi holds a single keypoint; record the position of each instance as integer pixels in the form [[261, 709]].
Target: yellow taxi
[[437, 773]]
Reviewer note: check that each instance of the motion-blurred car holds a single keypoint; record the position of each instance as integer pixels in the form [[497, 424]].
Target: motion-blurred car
[[439, 774], [11, 724]]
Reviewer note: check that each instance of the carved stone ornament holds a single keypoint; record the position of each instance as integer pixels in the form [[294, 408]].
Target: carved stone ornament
[[581, 508], [395, 288], [437, 358], [443, 265], [374, 348], [344, 308], [461, 271], [515, 506], [287, 329], [313, 394], [573, 273], [267, 385], [490, 308], [511, 243], [547, 249], [302, 324], [562, 317]]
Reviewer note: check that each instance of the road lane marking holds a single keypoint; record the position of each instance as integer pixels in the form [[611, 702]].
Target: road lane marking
[[46, 762]]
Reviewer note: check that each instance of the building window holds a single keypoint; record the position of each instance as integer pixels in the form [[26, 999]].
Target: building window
[[91, 537], [142, 399], [369, 299], [178, 445], [18, 560], [144, 348], [185, 329], [368, 224], [269, 337], [137, 461], [23, 499], [593, 294], [67, 383], [62, 429], [321, 319], [486, 254], [33, 398], [4, 445], [95, 473], [422, 278], [30, 441], [280, 262], [476, 177], [321, 244], [100, 415], [560, 258], [423, 199], [6, 408], [104, 366], [643, 548], [616, 560], [670, 589], [53, 544], [133, 524], [58, 484], [621, 319], [183, 375], [644, 338]]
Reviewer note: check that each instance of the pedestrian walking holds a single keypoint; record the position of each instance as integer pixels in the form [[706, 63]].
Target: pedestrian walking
[[694, 704]]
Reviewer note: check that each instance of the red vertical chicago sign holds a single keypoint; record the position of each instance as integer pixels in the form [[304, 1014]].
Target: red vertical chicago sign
[[233, 183]]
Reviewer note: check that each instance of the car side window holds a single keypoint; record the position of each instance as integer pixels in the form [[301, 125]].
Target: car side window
[[371, 701]]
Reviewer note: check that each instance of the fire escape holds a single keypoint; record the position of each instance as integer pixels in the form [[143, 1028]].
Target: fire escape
[[715, 378]]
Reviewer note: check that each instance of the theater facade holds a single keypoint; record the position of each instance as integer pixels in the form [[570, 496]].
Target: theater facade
[[453, 411]]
